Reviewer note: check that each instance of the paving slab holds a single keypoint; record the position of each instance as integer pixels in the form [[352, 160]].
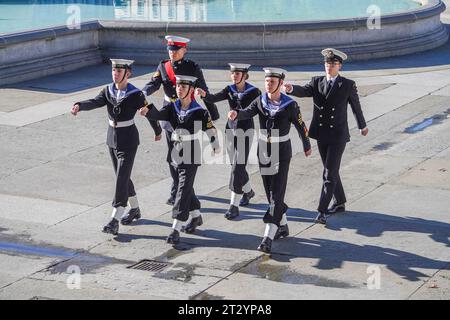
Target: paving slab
[[38, 210], [34, 289], [436, 288], [20, 99]]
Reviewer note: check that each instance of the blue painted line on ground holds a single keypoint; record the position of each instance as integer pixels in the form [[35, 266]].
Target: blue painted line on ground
[[35, 250]]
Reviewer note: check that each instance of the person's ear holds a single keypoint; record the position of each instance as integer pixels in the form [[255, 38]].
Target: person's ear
[[246, 76]]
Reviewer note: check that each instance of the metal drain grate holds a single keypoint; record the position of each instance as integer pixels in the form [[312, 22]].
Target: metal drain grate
[[150, 265]]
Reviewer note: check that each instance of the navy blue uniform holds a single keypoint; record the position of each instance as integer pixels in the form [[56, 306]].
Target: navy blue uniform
[[122, 141], [184, 67], [275, 150], [329, 127], [235, 139], [187, 152]]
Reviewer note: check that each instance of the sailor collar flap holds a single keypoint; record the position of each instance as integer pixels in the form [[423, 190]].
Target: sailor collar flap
[[192, 108], [284, 103], [248, 88], [113, 93]]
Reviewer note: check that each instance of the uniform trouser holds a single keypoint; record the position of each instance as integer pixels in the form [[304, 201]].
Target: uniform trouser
[[123, 164], [275, 187], [331, 155], [172, 168], [238, 149], [185, 200]]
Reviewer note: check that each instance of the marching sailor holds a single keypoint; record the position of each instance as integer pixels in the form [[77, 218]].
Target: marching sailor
[[165, 75], [276, 112], [239, 134], [122, 100], [188, 120], [331, 95]]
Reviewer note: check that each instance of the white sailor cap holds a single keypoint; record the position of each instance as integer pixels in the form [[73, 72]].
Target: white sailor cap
[[239, 67], [176, 42], [121, 63], [333, 55], [186, 80], [275, 72]]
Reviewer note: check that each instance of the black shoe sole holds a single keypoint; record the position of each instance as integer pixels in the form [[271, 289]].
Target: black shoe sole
[[191, 231], [172, 242], [246, 203], [231, 217], [109, 231], [282, 235], [127, 222], [264, 250], [336, 211]]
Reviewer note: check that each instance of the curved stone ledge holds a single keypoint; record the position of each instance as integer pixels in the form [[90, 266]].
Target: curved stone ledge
[[23, 54]]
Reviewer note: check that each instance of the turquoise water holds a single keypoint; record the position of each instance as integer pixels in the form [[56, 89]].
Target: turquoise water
[[34, 14]]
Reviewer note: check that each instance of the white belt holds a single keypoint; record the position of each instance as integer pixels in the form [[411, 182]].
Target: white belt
[[166, 98], [274, 139], [121, 124], [184, 137]]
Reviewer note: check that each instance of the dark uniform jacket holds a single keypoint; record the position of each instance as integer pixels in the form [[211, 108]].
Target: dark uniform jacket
[[196, 120], [288, 113], [122, 110], [329, 123], [236, 100], [183, 67]]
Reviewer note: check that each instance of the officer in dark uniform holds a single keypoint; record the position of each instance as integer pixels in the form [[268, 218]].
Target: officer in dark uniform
[[165, 75], [122, 100], [276, 113], [188, 120], [331, 95], [239, 134]]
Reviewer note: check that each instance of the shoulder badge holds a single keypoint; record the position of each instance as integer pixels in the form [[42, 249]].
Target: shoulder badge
[[209, 124]]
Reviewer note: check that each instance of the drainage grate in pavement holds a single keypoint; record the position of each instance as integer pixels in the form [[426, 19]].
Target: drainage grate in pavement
[[150, 265]]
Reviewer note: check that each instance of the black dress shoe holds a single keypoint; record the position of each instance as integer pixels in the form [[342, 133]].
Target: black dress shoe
[[130, 216], [336, 208], [192, 225], [112, 227], [171, 201], [232, 213], [266, 245], [174, 237], [246, 198], [282, 232], [321, 218]]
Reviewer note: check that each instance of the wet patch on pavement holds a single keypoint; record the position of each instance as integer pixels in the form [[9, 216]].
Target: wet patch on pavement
[[431, 121], [262, 268]]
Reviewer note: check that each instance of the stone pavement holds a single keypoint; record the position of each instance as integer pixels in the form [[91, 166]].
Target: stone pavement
[[56, 184]]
